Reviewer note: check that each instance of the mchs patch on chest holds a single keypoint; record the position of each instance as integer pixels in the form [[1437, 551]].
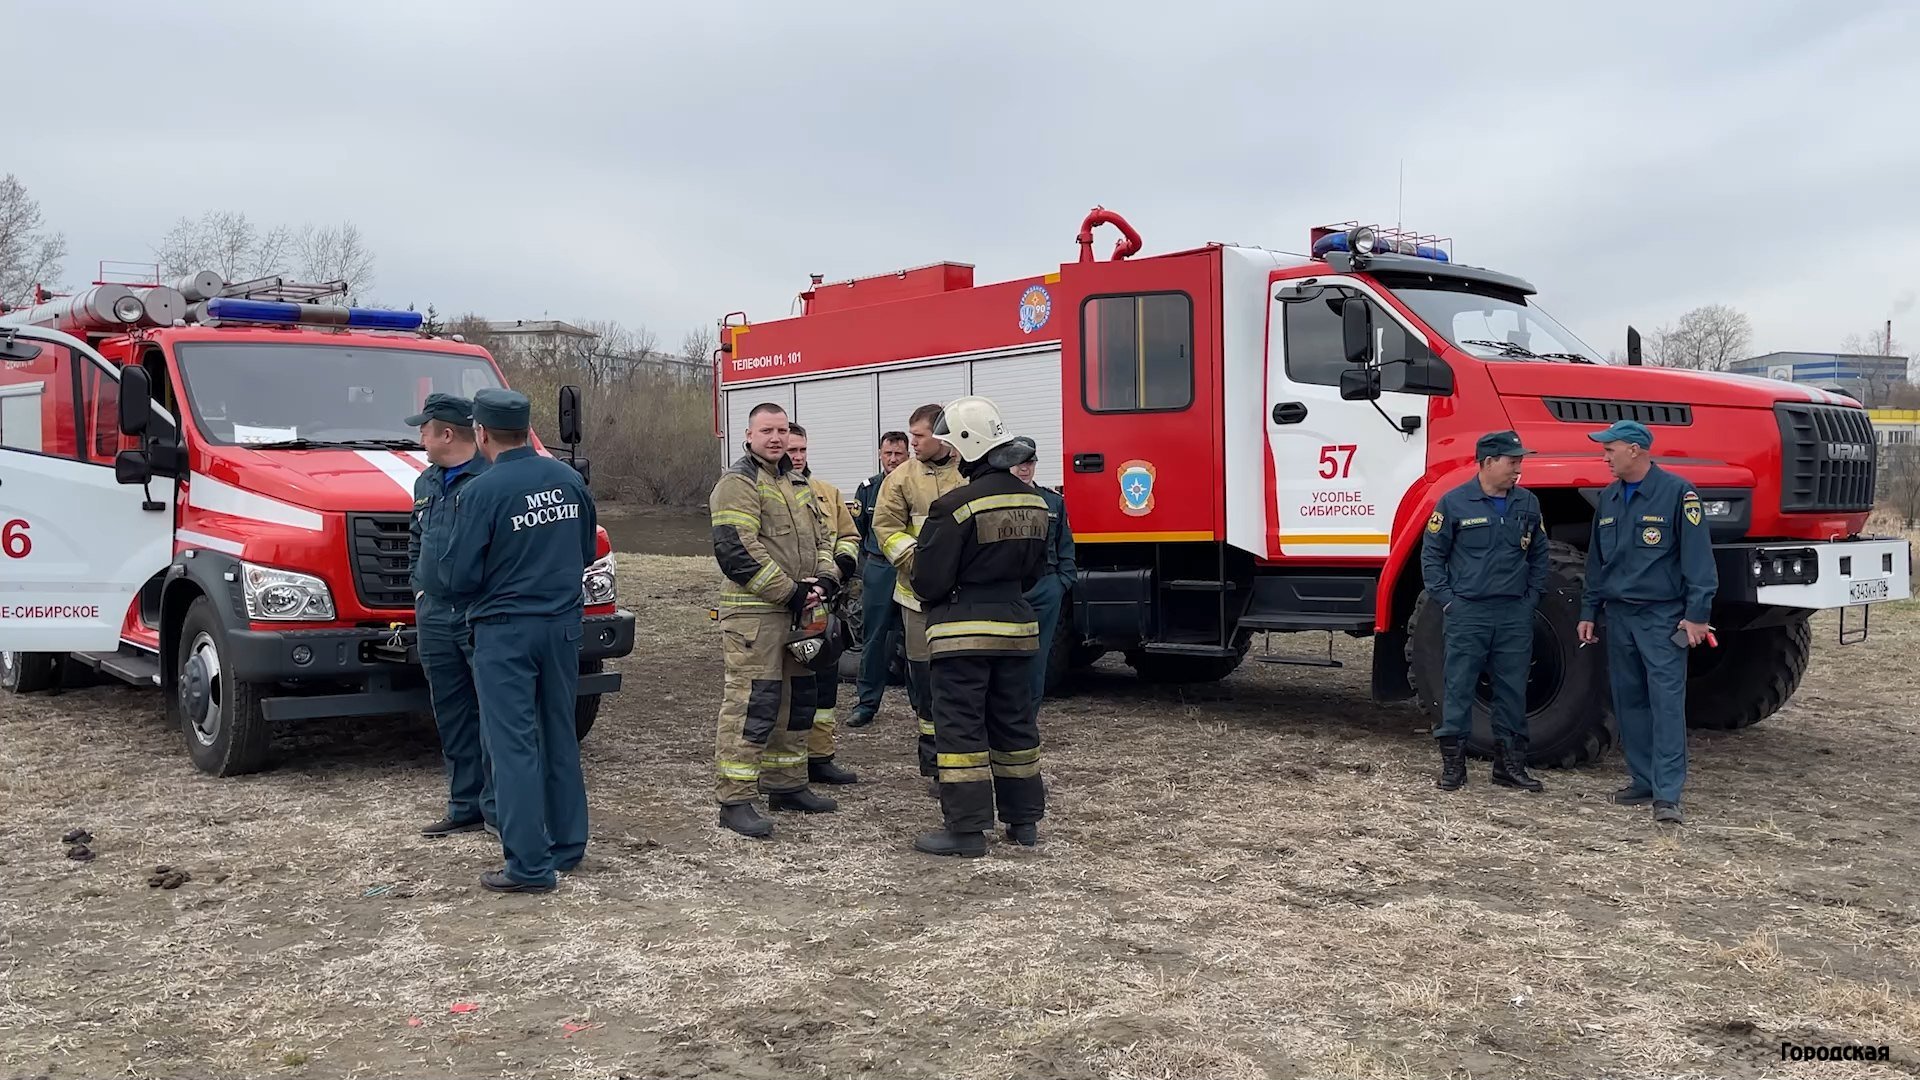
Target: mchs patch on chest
[[545, 508]]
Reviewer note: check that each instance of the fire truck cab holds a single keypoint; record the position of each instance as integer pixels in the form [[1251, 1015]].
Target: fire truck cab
[[1251, 441], [207, 488]]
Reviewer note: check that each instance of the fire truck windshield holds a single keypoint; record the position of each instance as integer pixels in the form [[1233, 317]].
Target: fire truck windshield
[[301, 395], [1493, 325]]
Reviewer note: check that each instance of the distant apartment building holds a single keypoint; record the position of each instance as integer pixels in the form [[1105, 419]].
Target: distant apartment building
[[541, 339]]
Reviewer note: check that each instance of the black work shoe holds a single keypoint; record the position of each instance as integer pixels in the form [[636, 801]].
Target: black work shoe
[[862, 716], [498, 881], [967, 845], [824, 771], [1510, 770], [1026, 834], [1453, 763], [447, 826], [1667, 813], [801, 799], [744, 818], [1632, 795]]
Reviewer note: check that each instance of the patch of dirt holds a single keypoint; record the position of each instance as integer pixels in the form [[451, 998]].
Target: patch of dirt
[[1250, 880]]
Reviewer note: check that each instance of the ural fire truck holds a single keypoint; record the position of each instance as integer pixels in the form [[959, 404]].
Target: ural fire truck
[[1252, 441], [207, 487]]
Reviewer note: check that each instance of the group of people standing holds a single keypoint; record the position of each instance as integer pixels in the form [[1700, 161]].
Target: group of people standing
[[963, 554]]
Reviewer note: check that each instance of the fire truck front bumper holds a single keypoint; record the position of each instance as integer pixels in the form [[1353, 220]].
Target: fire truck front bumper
[[384, 665], [1815, 575]]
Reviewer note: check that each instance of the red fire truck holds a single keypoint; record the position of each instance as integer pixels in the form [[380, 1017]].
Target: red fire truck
[[207, 487], [1252, 441]]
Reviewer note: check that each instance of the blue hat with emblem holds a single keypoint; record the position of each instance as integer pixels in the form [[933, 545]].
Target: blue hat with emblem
[[505, 410], [1632, 431], [1499, 444], [448, 408]]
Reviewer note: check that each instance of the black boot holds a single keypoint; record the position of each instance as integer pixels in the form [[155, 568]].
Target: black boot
[[824, 771], [1510, 770], [966, 845], [862, 716], [801, 799], [933, 787], [744, 818], [1453, 763], [1026, 834]]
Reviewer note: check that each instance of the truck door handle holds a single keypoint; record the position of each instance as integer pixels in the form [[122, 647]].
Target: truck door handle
[[1089, 462], [1289, 412]]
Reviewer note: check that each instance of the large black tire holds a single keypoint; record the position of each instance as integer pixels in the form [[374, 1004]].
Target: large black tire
[[1569, 708], [587, 709], [1165, 668], [219, 718], [29, 672], [1059, 656], [1749, 677]]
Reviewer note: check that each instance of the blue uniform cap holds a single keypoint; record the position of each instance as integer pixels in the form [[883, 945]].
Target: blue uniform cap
[[1499, 444], [448, 408], [1625, 431], [506, 410]]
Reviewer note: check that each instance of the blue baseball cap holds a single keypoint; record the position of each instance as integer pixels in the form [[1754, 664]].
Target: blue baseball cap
[[1499, 444], [1631, 431]]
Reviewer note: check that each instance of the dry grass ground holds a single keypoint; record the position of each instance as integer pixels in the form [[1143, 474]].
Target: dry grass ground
[[1249, 880]]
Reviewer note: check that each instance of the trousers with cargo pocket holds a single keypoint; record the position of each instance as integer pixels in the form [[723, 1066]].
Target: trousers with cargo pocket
[[766, 708], [527, 670], [1494, 637], [919, 693], [1648, 673], [446, 655]]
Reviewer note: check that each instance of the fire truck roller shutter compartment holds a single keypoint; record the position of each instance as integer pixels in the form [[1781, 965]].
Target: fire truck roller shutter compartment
[[901, 392], [1027, 390], [839, 417], [740, 404]]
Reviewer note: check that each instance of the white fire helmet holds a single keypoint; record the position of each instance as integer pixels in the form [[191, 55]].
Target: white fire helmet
[[971, 425]]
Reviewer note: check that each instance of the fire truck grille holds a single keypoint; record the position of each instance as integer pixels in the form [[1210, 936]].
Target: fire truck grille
[[1827, 458], [377, 546], [1603, 411]]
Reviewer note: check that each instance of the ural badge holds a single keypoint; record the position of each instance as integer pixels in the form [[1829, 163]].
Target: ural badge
[[1136, 487]]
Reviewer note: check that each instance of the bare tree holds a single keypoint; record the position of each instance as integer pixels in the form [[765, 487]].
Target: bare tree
[[29, 256], [335, 253], [1708, 338], [1900, 489], [697, 346]]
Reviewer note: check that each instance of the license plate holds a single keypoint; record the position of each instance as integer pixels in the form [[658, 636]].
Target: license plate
[[1866, 592]]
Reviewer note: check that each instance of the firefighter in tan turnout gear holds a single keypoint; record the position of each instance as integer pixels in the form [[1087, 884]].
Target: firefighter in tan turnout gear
[[983, 546], [776, 551], [906, 497], [821, 768]]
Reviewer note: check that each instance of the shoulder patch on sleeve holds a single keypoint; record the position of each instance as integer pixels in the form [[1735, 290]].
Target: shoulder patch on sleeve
[[1433, 523]]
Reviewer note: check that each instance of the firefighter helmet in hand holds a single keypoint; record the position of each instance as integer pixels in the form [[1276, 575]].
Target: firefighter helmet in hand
[[971, 425]]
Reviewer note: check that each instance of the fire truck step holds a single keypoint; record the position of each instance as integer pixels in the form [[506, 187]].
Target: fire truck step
[[137, 668], [1308, 620], [1192, 585], [1172, 648]]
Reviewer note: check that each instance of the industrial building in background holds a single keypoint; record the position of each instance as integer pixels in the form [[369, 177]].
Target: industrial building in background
[[1869, 379]]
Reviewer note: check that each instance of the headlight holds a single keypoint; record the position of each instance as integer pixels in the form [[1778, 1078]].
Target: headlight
[[284, 595], [1717, 508], [597, 586]]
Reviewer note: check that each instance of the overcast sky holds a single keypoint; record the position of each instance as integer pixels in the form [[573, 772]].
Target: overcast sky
[[666, 163]]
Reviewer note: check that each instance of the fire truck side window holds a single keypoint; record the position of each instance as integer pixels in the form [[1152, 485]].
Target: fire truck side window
[[1136, 353], [1316, 351], [40, 402]]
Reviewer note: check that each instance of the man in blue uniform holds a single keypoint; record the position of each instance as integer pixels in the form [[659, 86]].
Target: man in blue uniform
[[879, 615], [523, 534], [1484, 562], [1049, 594], [1650, 573], [446, 646]]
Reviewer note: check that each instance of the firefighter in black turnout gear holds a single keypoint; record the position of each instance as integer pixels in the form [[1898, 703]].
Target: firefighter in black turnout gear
[[983, 546]]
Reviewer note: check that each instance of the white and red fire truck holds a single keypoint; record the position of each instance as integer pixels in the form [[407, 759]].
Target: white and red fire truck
[[1252, 441], [207, 487]]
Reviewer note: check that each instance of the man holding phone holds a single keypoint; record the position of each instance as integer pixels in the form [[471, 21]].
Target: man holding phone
[[1650, 570]]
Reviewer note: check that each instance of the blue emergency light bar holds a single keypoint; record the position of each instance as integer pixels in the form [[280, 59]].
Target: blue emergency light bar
[[1384, 246], [236, 309]]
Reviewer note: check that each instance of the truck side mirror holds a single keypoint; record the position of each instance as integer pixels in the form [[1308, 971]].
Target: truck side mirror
[[1356, 330], [136, 402], [1633, 348], [1360, 384], [570, 415], [132, 467], [1428, 375]]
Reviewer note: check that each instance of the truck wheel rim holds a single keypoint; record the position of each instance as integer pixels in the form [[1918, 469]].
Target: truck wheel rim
[[200, 689], [7, 664], [1546, 671]]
